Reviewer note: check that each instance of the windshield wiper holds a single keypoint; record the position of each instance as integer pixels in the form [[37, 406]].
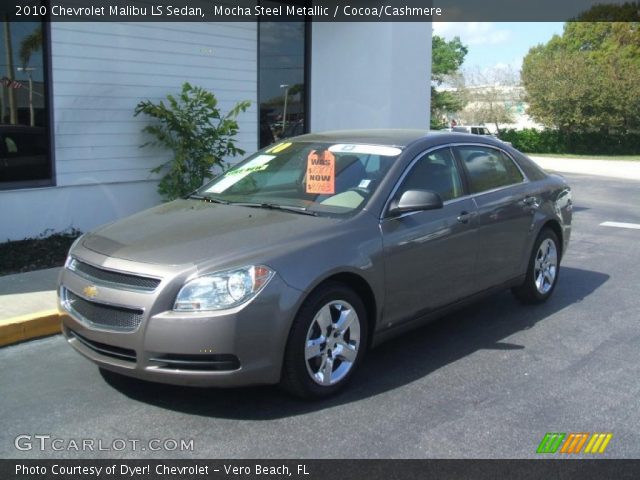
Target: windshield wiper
[[275, 206], [207, 198]]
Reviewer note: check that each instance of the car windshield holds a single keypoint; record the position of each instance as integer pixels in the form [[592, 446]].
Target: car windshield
[[332, 178]]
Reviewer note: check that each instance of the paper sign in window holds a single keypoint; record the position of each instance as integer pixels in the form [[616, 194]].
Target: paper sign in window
[[233, 176], [321, 172]]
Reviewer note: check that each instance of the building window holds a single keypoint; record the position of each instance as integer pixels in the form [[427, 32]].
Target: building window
[[25, 158], [281, 79]]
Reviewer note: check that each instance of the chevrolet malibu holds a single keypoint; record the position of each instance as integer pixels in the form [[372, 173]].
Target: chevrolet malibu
[[292, 264]]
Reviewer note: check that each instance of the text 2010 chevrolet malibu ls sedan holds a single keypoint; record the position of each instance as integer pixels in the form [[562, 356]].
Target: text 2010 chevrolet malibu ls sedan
[[289, 266]]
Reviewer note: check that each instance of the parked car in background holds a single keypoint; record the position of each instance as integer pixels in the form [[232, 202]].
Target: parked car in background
[[476, 130], [288, 267], [294, 129], [472, 129]]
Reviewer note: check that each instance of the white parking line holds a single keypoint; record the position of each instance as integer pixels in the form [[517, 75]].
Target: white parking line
[[634, 226]]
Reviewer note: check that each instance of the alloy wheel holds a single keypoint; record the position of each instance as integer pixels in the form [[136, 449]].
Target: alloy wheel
[[332, 342], [546, 266]]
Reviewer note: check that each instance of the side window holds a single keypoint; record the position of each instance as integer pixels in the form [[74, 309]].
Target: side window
[[435, 171], [489, 168]]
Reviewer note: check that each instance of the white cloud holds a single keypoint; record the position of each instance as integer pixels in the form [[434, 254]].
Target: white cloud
[[473, 33]]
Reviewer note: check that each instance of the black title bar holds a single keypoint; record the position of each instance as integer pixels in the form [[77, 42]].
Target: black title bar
[[319, 10], [315, 469]]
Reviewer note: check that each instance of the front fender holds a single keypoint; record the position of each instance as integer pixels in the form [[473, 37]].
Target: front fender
[[357, 250]]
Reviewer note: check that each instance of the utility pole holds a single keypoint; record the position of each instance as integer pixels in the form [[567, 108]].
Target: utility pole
[[284, 113], [32, 115], [13, 111]]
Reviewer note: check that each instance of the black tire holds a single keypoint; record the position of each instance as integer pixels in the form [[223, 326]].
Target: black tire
[[297, 370], [529, 292]]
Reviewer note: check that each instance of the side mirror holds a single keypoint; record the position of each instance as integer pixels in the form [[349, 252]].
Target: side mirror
[[416, 200]]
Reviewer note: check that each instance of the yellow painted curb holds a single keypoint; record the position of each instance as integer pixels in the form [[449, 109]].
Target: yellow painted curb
[[26, 327]]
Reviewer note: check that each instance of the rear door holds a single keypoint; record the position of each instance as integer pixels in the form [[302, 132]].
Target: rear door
[[429, 255], [504, 208]]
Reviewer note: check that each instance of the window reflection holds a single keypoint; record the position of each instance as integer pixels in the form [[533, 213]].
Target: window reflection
[[24, 144], [281, 79]]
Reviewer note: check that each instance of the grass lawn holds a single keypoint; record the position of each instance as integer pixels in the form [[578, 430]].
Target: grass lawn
[[35, 253], [630, 158]]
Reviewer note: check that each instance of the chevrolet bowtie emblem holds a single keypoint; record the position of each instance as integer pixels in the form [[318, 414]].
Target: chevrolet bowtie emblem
[[90, 291]]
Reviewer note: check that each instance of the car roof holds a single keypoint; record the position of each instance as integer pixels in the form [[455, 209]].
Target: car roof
[[398, 138], [392, 137]]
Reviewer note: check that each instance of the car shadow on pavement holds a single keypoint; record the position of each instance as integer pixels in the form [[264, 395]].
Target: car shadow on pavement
[[392, 365]]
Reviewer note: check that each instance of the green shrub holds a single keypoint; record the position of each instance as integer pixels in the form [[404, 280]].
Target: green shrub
[[197, 133], [530, 140]]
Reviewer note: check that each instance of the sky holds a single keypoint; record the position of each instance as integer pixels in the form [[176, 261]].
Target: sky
[[497, 44]]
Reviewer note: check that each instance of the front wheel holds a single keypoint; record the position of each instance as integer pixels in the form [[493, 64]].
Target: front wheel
[[543, 269], [326, 342]]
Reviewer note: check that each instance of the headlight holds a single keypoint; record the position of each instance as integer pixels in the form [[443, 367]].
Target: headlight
[[71, 262], [221, 290]]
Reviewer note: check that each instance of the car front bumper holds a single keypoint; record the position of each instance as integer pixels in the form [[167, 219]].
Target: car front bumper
[[235, 347]]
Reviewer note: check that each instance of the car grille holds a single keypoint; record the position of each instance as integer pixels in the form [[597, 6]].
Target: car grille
[[104, 349], [116, 279], [101, 315]]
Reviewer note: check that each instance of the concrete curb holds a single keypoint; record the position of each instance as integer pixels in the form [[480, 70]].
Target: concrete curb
[[27, 327]]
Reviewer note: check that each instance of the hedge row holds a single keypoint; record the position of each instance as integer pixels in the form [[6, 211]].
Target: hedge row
[[553, 141]]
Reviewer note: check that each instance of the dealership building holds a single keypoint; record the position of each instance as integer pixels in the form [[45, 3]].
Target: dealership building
[[70, 146]]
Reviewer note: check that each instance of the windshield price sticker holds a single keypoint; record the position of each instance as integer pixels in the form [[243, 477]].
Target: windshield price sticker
[[365, 149], [234, 175], [321, 168], [279, 147]]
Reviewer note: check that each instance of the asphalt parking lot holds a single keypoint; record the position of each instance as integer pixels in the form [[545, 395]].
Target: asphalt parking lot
[[486, 382]]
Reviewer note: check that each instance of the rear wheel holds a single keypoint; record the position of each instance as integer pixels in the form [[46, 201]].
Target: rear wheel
[[326, 342], [543, 269]]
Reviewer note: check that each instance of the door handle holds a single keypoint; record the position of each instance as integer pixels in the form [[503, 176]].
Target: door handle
[[530, 201], [464, 217]]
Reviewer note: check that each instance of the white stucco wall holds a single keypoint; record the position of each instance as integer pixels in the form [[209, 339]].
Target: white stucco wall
[[370, 75], [100, 72]]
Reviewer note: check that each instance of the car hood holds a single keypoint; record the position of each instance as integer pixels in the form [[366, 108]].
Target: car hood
[[192, 231]]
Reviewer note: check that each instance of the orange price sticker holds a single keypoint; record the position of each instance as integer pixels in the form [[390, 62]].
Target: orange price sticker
[[321, 172]]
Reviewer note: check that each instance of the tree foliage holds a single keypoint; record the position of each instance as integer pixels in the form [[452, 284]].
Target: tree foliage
[[447, 58], [559, 142], [587, 79], [197, 133], [29, 45], [625, 12]]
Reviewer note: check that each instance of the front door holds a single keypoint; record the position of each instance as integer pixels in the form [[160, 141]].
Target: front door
[[429, 255]]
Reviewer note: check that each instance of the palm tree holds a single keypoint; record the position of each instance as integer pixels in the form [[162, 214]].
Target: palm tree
[[13, 112], [29, 45]]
